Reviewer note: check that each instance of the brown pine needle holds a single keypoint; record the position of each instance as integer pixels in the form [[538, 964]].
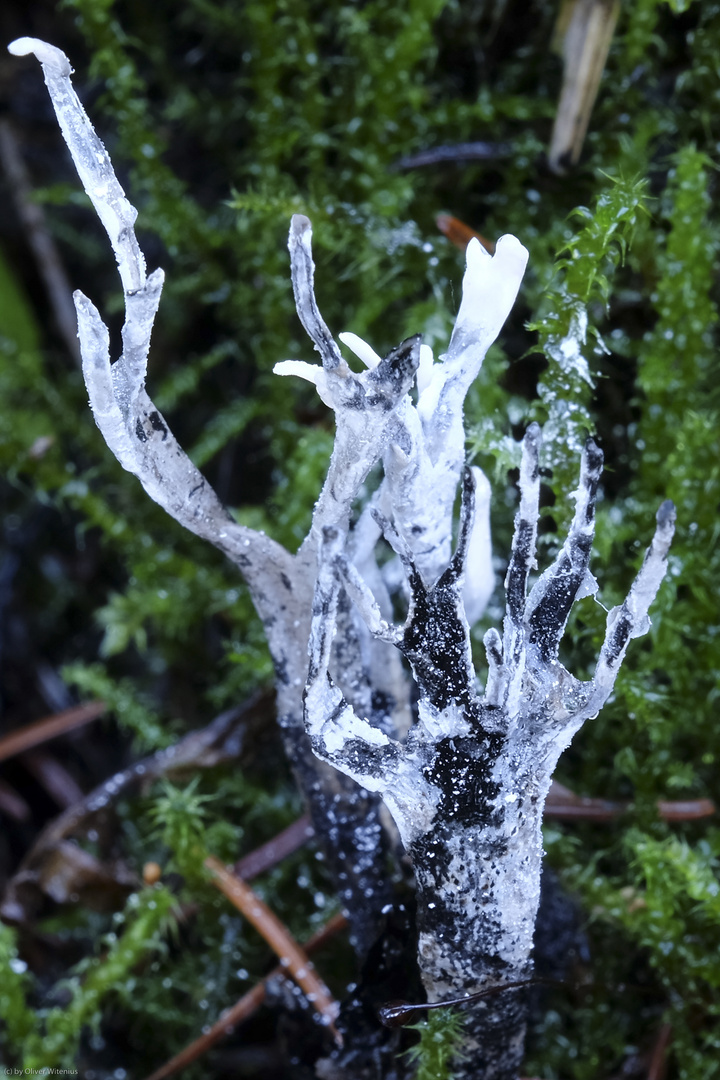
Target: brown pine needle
[[12, 804], [274, 851], [52, 775], [292, 957], [685, 809], [49, 728], [243, 1009], [460, 234], [658, 1058]]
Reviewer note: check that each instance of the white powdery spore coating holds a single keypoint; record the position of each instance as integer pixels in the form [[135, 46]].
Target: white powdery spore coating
[[490, 287], [46, 54], [361, 349], [442, 724], [348, 726], [412, 801]]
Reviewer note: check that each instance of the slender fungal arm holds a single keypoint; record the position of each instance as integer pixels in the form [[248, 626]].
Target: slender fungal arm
[[365, 405], [338, 735], [91, 160], [630, 619], [133, 428], [302, 270], [552, 597]]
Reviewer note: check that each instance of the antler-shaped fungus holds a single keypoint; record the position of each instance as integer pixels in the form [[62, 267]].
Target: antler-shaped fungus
[[467, 787]]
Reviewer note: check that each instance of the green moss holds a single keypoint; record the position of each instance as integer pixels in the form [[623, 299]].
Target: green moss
[[440, 1037], [145, 921], [568, 333], [18, 1019]]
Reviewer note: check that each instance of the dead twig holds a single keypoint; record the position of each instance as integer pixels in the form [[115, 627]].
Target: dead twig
[[456, 152], [685, 809], [583, 34], [17, 742], [278, 937]]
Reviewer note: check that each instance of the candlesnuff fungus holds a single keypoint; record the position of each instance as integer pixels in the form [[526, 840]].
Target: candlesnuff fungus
[[468, 785], [464, 772]]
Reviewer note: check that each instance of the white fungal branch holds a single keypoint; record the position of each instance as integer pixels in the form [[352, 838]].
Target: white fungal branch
[[281, 585], [133, 428], [489, 290], [526, 659], [630, 619], [468, 786], [435, 639], [434, 428], [91, 160], [423, 445], [303, 277], [365, 405]]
